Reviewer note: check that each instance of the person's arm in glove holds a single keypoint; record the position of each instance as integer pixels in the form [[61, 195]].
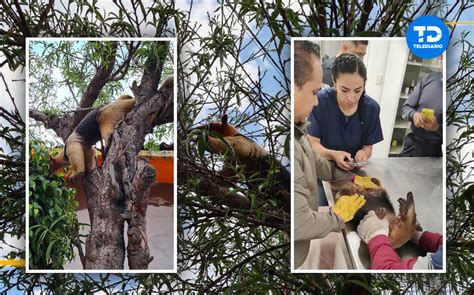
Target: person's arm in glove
[[374, 232], [347, 206], [371, 226], [366, 182], [432, 243]]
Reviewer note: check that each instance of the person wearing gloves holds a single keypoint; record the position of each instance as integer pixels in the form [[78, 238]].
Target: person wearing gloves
[[308, 222], [374, 232]]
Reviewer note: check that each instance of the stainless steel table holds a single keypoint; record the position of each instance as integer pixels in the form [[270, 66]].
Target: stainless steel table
[[421, 176]]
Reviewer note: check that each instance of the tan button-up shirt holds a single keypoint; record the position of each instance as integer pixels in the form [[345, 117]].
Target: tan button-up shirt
[[308, 222]]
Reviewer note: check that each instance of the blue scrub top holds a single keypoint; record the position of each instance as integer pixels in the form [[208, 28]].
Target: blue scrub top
[[336, 133]]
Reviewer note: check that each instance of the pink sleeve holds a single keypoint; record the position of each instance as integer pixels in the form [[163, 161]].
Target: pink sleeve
[[430, 241], [383, 256]]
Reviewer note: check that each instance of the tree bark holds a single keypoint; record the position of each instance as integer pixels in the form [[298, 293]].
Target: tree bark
[[138, 250], [118, 193], [105, 245]]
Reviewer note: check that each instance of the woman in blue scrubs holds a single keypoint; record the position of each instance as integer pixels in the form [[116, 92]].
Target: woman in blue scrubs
[[346, 124]]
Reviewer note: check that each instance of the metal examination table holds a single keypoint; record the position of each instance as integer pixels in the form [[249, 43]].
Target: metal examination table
[[421, 176]]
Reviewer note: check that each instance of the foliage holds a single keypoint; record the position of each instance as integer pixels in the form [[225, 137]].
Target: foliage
[[64, 18], [61, 70], [161, 133], [54, 226], [12, 175], [216, 76], [460, 184]]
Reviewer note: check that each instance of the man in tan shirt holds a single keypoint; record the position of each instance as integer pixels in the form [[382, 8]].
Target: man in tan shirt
[[308, 222]]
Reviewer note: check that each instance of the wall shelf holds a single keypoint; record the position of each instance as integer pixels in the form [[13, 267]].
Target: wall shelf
[[415, 70]]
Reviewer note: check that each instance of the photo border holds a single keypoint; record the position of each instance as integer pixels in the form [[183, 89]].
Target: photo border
[[174, 41], [443, 148]]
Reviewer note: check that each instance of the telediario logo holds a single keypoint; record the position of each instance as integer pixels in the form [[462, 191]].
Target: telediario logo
[[427, 37]]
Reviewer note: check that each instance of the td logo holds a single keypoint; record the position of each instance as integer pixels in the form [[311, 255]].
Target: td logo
[[427, 37]]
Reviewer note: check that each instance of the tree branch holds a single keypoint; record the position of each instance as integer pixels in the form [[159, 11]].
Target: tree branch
[[101, 77]]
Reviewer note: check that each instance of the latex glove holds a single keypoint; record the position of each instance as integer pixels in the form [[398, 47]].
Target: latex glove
[[347, 206], [365, 182], [371, 226]]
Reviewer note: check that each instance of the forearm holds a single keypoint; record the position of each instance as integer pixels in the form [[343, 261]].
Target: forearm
[[310, 224], [320, 149], [367, 150], [430, 241], [407, 112], [327, 170], [383, 256], [409, 108]]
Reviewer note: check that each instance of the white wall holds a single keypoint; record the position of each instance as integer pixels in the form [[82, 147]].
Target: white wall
[[330, 48], [386, 63], [376, 63]]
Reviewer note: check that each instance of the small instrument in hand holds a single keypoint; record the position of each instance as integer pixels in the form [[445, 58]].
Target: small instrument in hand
[[357, 164]]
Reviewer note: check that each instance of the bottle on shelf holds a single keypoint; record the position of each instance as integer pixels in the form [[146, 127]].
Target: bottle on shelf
[[412, 86], [407, 90]]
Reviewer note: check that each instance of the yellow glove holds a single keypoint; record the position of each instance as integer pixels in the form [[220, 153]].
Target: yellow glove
[[347, 206], [365, 182]]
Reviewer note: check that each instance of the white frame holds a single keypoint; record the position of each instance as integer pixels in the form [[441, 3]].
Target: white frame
[[292, 269], [175, 174]]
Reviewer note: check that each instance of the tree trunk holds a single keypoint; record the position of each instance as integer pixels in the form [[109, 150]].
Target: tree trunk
[[118, 192], [138, 250], [105, 245]]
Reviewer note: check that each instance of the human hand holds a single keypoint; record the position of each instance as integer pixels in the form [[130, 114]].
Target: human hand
[[347, 206], [418, 120], [366, 182], [373, 225], [340, 158], [361, 156], [430, 124]]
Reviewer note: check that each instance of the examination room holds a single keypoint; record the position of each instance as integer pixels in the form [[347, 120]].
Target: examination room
[[368, 189]]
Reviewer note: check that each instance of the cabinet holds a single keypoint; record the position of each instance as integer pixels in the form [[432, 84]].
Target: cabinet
[[415, 69]]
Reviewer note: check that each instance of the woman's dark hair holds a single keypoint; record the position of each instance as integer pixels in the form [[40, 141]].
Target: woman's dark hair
[[348, 63], [303, 67]]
